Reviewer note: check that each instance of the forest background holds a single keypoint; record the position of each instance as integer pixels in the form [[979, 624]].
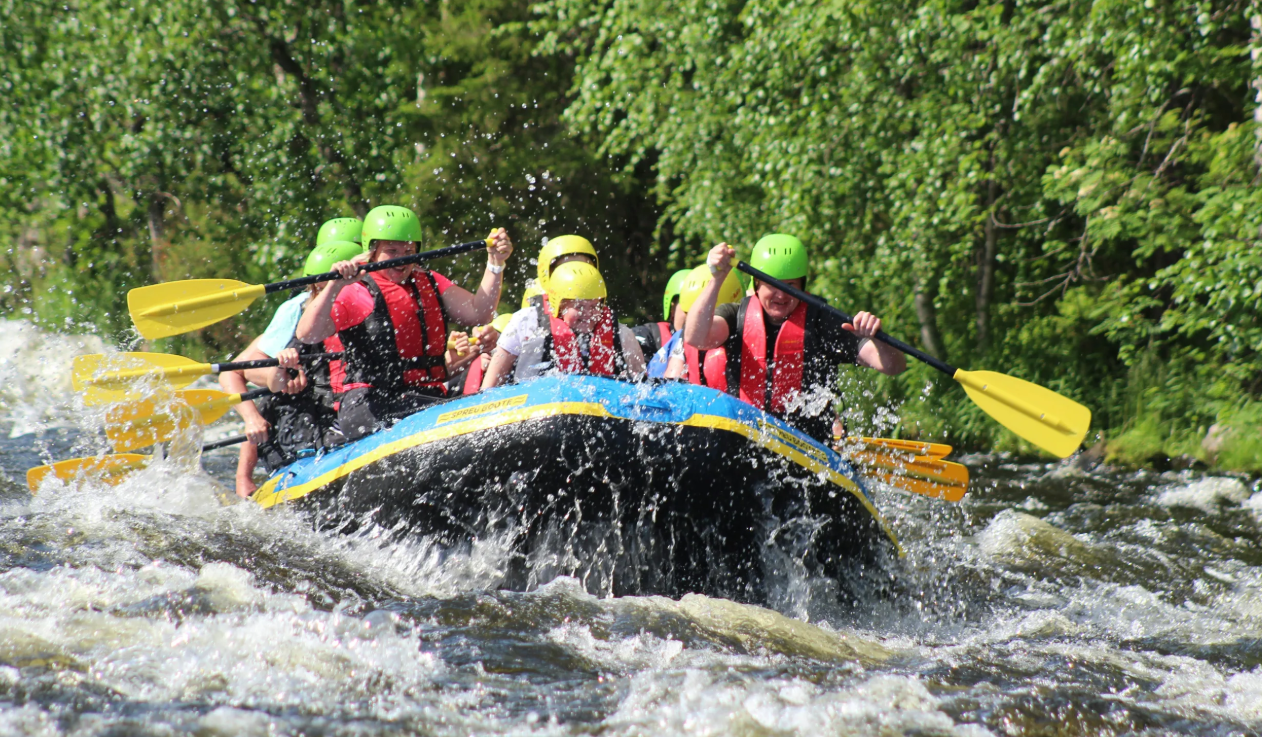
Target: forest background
[[1066, 191]]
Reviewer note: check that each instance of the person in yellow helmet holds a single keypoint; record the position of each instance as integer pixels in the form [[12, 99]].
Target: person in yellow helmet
[[557, 251], [560, 250], [703, 368], [577, 333]]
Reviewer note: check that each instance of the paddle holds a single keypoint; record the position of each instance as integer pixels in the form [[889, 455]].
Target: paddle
[[111, 468], [105, 379], [910, 447], [163, 310], [1054, 423], [930, 477], [147, 422]]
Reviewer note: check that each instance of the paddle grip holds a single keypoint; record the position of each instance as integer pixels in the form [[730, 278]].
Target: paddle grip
[[415, 258], [253, 394], [236, 440], [265, 362], [810, 299]]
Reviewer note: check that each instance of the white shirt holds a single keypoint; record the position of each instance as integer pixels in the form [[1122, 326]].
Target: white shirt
[[524, 337]]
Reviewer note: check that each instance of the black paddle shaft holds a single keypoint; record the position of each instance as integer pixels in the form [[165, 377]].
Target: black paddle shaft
[[415, 258], [234, 440], [942, 366], [266, 362]]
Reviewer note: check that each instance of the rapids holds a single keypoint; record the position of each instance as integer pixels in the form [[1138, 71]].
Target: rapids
[[1058, 598]]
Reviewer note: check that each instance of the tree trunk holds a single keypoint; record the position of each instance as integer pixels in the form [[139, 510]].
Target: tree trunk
[[927, 315], [157, 235], [986, 269]]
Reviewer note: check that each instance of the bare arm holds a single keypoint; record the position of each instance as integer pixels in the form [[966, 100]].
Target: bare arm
[[702, 329], [316, 322], [233, 382], [873, 354], [631, 353], [478, 308], [501, 363]]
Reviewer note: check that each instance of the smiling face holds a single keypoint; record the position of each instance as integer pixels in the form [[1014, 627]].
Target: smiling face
[[386, 250], [581, 314], [776, 304]]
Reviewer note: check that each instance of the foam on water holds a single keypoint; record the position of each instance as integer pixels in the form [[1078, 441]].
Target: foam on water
[[35, 375], [1055, 599]]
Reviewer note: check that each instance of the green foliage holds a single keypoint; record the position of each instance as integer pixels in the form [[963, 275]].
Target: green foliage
[[149, 141], [1057, 189]]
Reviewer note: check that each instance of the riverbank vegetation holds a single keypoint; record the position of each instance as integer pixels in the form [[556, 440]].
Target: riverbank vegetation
[[1065, 191]]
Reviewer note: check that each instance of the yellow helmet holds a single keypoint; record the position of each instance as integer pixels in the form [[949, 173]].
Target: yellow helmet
[[574, 280], [563, 245], [696, 280], [532, 290]]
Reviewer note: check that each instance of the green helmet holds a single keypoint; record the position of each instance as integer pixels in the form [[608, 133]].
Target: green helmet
[[326, 254], [391, 223], [340, 229], [672, 290], [781, 256]]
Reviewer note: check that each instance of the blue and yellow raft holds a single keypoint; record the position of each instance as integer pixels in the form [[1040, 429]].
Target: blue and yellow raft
[[663, 488]]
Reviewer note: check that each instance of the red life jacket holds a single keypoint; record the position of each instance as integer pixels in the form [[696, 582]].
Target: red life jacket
[[602, 356], [337, 367], [403, 343], [710, 370], [666, 330], [473, 378], [789, 359]]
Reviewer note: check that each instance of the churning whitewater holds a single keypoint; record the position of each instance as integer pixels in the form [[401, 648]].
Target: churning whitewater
[[1058, 598]]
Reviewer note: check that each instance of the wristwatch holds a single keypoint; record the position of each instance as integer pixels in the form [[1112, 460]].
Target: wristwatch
[[494, 269]]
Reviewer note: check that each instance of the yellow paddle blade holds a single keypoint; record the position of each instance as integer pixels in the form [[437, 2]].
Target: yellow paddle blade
[[111, 469], [147, 422], [120, 377], [163, 310], [1052, 422], [910, 447], [930, 477]]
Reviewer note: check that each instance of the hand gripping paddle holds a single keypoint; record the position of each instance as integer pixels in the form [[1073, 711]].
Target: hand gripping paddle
[[112, 378], [173, 308], [1054, 423]]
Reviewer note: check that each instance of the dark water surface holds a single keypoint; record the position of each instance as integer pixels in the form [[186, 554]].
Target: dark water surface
[[1055, 600]]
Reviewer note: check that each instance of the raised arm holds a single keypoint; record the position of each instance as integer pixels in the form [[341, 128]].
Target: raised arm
[[478, 308], [316, 322], [702, 329]]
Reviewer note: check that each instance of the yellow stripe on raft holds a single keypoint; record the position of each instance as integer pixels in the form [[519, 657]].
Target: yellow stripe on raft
[[768, 436]]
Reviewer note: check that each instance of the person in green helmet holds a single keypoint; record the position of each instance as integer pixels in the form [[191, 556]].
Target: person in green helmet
[[393, 323], [340, 229], [277, 428], [652, 336], [782, 354]]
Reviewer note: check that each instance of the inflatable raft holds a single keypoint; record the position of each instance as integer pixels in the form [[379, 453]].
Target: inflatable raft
[[635, 489]]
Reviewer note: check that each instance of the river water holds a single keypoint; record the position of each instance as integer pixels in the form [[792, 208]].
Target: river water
[[1057, 599]]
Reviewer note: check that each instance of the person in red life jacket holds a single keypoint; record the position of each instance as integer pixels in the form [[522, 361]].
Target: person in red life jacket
[[393, 322], [653, 336], [533, 315], [782, 354], [577, 334], [276, 427], [687, 362]]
